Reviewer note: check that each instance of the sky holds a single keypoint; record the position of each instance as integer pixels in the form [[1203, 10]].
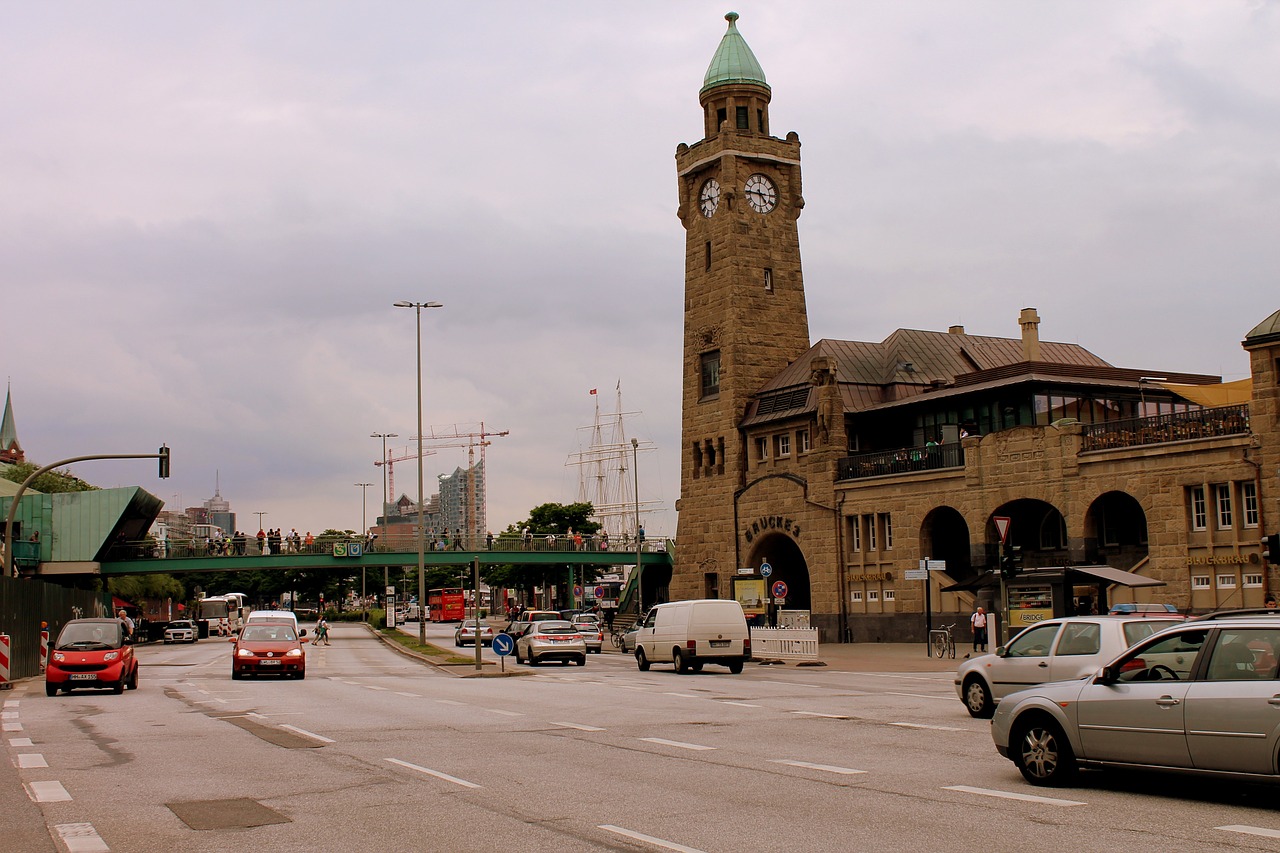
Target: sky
[[208, 210]]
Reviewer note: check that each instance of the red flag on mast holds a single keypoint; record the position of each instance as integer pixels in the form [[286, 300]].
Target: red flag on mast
[[593, 390]]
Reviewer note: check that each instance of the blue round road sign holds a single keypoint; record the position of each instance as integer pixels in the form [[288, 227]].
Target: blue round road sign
[[765, 570], [503, 645]]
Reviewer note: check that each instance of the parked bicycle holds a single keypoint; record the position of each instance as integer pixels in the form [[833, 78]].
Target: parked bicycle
[[617, 638], [941, 641]]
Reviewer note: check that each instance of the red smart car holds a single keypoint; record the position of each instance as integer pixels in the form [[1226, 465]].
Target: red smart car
[[91, 653]]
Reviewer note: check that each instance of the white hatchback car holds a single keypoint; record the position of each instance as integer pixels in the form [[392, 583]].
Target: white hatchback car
[[1060, 649], [180, 631]]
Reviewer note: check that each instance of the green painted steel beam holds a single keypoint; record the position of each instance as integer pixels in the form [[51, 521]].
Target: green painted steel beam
[[378, 559]]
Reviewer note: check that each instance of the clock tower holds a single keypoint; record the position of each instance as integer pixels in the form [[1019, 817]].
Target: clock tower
[[744, 307]]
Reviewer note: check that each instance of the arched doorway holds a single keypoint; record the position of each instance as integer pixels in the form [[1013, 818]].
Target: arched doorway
[[1036, 527], [1115, 531], [944, 535], [789, 565]]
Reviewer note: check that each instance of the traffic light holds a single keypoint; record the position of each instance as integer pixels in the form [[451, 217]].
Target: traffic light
[[164, 462], [1271, 548], [1010, 561]]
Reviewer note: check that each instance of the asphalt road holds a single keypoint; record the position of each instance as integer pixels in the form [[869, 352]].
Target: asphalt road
[[376, 752]]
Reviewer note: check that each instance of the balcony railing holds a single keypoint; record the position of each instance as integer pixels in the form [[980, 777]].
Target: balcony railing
[[1179, 426], [902, 461]]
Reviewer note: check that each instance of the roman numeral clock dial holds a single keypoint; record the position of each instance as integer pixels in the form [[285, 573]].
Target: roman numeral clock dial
[[709, 197], [761, 194]]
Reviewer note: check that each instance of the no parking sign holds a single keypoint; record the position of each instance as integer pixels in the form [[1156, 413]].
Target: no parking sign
[[779, 589]]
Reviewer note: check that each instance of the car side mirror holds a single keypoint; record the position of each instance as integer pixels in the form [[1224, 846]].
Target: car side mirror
[[1001, 651], [302, 633], [1106, 675], [233, 638]]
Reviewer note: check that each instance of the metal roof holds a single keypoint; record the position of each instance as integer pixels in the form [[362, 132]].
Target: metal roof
[[733, 61]]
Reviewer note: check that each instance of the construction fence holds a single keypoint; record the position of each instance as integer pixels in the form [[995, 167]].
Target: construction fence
[[26, 602]]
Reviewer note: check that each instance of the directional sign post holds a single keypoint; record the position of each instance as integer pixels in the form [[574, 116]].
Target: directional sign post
[[765, 570], [502, 646]]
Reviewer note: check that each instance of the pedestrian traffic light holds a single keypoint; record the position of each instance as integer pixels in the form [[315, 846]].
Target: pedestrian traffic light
[[164, 462], [1271, 548], [1010, 562]]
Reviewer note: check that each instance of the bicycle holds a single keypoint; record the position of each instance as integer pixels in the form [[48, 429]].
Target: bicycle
[[941, 641], [616, 637]]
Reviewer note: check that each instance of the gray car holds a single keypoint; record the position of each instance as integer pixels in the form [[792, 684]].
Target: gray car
[[1054, 650], [551, 640], [1199, 697]]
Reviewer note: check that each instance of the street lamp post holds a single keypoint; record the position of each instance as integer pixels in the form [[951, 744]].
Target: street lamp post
[[635, 471], [364, 505], [422, 534], [386, 581], [260, 515]]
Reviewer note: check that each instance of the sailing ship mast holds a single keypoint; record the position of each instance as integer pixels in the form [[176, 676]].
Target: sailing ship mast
[[604, 471]]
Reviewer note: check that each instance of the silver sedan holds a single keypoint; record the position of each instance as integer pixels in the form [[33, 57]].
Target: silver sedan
[[551, 640]]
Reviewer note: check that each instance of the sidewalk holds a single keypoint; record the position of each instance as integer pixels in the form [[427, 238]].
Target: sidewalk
[[882, 657]]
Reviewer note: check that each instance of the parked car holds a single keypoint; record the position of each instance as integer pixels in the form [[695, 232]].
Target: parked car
[[551, 640], [181, 631], [520, 624], [1197, 697], [91, 653], [588, 625], [1151, 609], [690, 634], [1054, 650], [465, 634], [629, 640], [269, 648]]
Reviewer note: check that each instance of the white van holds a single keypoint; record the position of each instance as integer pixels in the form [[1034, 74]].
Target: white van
[[692, 633], [270, 616]]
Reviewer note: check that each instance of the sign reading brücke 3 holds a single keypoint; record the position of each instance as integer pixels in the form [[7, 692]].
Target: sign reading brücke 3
[[766, 523]]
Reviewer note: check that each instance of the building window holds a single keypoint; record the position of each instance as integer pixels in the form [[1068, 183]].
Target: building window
[[886, 531], [762, 448], [889, 595], [1252, 581], [1226, 581], [1222, 505], [856, 596], [1200, 582], [871, 533], [802, 441], [1199, 518], [854, 525], [873, 595], [710, 373], [1249, 497], [784, 445], [708, 256], [744, 122], [768, 280]]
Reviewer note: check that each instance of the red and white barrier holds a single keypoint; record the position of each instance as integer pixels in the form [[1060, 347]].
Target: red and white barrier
[[44, 648], [4, 662]]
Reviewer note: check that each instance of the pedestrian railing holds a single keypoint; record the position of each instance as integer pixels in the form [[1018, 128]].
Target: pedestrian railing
[[785, 643]]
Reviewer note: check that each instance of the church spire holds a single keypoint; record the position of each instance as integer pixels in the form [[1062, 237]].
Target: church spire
[[10, 447]]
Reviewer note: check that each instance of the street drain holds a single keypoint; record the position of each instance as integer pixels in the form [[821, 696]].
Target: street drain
[[226, 814]]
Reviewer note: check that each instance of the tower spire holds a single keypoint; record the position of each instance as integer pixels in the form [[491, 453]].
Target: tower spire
[[10, 447]]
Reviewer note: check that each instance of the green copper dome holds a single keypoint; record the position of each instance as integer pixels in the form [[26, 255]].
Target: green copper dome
[[734, 62]]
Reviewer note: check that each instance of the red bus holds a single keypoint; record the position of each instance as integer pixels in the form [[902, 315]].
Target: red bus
[[446, 605]]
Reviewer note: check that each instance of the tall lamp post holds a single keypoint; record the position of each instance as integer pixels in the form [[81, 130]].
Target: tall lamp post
[[364, 529], [386, 580], [422, 534], [635, 471]]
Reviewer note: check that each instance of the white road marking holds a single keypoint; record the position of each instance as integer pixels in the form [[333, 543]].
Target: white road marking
[[1005, 795], [11, 727], [848, 771], [29, 760], [410, 695], [648, 839], [685, 695], [48, 792], [20, 741], [306, 733], [816, 714], [931, 728], [794, 684], [8, 715], [676, 743], [449, 702], [922, 696], [372, 687], [503, 713], [579, 727], [1251, 830], [436, 773], [11, 703], [739, 704], [633, 687], [81, 838]]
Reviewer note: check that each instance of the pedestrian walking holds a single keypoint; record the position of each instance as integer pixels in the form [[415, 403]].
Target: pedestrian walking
[[322, 633], [979, 622]]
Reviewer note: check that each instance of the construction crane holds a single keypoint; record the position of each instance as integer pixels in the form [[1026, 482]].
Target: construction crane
[[394, 456], [474, 438]]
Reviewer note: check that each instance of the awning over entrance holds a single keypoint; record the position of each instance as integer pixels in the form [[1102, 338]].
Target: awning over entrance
[[1093, 574], [1213, 396]]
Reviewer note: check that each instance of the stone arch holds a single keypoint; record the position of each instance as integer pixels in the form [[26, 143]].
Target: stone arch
[[789, 565], [1115, 531], [944, 535], [1037, 527]]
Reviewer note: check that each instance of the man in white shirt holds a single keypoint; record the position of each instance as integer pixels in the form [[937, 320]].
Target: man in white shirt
[[979, 622]]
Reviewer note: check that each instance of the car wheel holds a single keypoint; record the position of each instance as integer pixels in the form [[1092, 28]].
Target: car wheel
[[532, 660], [682, 665], [50, 689], [641, 661], [582, 661], [457, 642], [977, 698], [118, 687], [133, 680], [736, 667], [301, 674], [1042, 753], [696, 666], [236, 676]]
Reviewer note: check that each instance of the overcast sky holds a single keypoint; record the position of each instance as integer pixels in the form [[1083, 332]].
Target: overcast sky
[[207, 211]]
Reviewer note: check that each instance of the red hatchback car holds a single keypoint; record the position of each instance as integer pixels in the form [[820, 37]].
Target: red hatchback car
[[91, 653], [269, 648]]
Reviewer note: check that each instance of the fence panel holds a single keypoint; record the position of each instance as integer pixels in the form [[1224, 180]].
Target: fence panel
[[785, 643], [26, 602]]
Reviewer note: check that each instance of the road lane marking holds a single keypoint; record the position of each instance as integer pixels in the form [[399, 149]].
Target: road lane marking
[[11, 703], [449, 702], [795, 684], [81, 838], [306, 733], [503, 713], [685, 695], [1005, 795], [579, 727], [739, 704], [648, 839], [676, 743], [31, 760], [931, 728], [1251, 830], [922, 696], [20, 741], [410, 695], [11, 727], [816, 714], [848, 771], [8, 715], [436, 773], [372, 687], [48, 792]]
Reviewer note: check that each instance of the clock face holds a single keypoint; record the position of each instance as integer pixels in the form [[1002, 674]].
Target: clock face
[[709, 197], [761, 194]]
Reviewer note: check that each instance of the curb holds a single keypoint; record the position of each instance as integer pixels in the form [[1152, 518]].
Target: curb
[[438, 664]]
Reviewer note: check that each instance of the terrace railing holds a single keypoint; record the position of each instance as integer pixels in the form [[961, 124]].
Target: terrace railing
[[1161, 429], [902, 461]]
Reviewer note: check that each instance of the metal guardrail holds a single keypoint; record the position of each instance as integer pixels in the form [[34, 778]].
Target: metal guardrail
[[1161, 429], [785, 643], [901, 461]]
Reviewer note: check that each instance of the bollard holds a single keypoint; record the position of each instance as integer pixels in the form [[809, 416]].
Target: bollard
[[44, 645], [5, 684]]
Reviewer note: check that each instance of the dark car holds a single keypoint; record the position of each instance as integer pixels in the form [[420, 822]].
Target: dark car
[[268, 648], [91, 653]]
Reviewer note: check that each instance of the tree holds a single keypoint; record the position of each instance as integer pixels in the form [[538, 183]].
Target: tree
[[50, 482]]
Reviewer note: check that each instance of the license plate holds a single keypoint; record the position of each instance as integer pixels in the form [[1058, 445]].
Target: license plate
[[83, 676], [719, 644], [269, 662]]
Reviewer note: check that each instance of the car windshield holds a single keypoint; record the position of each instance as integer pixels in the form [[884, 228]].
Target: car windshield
[[90, 635], [268, 634], [186, 625], [556, 628], [1141, 629]]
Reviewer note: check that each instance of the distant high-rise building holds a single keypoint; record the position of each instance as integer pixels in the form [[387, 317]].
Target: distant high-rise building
[[462, 500]]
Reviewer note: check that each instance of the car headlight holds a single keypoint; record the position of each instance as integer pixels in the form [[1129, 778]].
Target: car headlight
[[293, 653], [59, 657], [244, 653], [111, 656]]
